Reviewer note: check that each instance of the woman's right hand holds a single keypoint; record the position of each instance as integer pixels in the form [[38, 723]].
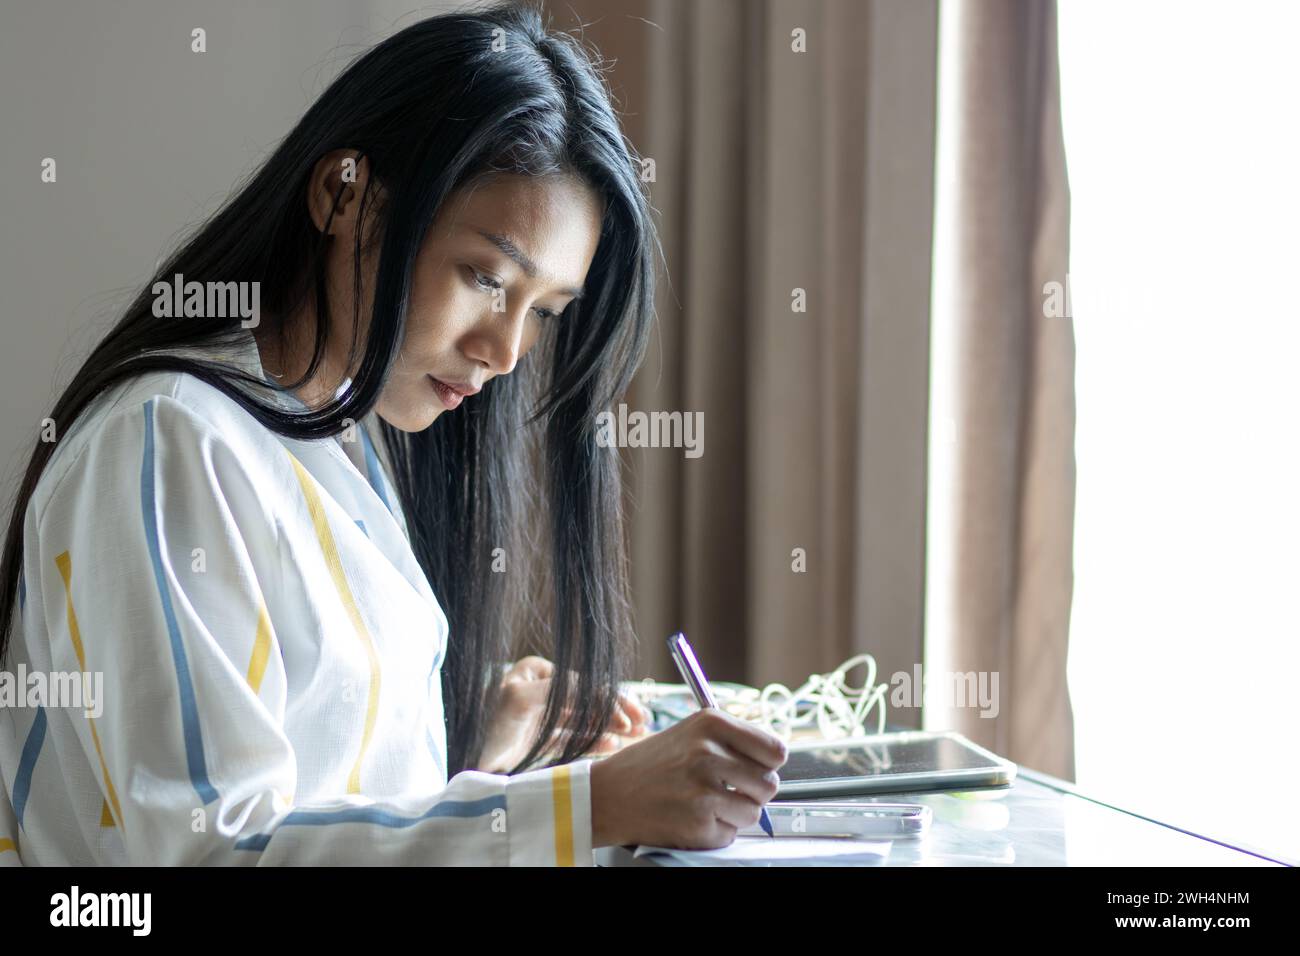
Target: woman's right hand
[[670, 788]]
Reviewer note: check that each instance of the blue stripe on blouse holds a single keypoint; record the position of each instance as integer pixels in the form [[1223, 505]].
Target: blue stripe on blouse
[[189, 708], [27, 763], [463, 809], [374, 473]]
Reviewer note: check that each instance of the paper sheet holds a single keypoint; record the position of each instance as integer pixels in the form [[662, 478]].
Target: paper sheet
[[757, 851]]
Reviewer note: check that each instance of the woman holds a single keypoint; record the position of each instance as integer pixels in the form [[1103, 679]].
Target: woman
[[372, 378]]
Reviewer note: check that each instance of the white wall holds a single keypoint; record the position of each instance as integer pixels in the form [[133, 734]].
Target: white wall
[[149, 138]]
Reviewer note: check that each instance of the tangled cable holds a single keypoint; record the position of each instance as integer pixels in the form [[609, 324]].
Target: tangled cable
[[824, 701]]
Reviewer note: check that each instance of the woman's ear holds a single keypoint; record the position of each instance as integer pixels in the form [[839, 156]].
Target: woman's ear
[[338, 181]]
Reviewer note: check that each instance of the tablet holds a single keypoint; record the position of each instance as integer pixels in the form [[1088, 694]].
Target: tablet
[[891, 763]]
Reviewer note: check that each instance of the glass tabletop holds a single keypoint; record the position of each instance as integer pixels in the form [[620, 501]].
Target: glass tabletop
[[1037, 821]]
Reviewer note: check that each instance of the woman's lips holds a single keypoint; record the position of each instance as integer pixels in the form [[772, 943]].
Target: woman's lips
[[451, 399]]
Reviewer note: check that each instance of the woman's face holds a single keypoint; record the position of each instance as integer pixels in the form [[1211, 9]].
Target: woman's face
[[501, 260]]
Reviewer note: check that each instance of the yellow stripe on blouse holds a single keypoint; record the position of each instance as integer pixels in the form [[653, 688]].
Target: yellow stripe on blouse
[[562, 798], [261, 649], [326, 538], [64, 563]]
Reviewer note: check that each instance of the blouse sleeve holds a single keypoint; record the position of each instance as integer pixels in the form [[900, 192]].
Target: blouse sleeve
[[189, 747]]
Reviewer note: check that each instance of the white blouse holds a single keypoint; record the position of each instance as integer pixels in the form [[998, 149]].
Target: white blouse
[[269, 652]]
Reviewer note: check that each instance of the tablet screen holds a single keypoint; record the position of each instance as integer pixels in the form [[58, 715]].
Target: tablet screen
[[885, 755]]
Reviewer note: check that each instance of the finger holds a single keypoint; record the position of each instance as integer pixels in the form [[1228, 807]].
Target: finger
[[621, 722], [634, 727], [745, 777], [640, 730], [531, 667], [528, 695], [737, 810], [744, 738], [634, 709], [640, 710]]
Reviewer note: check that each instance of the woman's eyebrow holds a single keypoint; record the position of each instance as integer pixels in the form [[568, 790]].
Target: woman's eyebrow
[[506, 245]]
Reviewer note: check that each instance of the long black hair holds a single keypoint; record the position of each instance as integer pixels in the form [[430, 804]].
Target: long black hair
[[440, 105]]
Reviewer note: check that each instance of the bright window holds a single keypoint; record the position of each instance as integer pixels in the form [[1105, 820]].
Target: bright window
[[1183, 147]]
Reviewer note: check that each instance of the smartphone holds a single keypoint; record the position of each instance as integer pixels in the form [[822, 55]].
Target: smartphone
[[886, 821]]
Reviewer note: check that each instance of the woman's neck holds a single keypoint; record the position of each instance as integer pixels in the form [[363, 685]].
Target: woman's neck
[[285, 352]]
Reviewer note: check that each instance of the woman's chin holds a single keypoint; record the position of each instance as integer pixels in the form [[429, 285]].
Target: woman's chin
[[415, 417]]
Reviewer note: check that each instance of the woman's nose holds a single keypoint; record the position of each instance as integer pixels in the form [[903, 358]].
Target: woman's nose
[[498, 341]]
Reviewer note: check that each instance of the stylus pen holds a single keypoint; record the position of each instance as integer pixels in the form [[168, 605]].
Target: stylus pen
[[694, 677]]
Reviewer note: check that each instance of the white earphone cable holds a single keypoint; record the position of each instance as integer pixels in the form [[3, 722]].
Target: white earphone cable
[[826, 702]]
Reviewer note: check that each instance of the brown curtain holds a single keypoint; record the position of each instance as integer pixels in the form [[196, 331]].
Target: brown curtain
[[796, 540], [778, 170], [1002, 464]]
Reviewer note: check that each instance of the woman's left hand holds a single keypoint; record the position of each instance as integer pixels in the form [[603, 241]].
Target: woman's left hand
[[523, 700]]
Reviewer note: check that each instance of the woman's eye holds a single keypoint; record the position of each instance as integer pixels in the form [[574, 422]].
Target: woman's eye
[[486, 283]]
